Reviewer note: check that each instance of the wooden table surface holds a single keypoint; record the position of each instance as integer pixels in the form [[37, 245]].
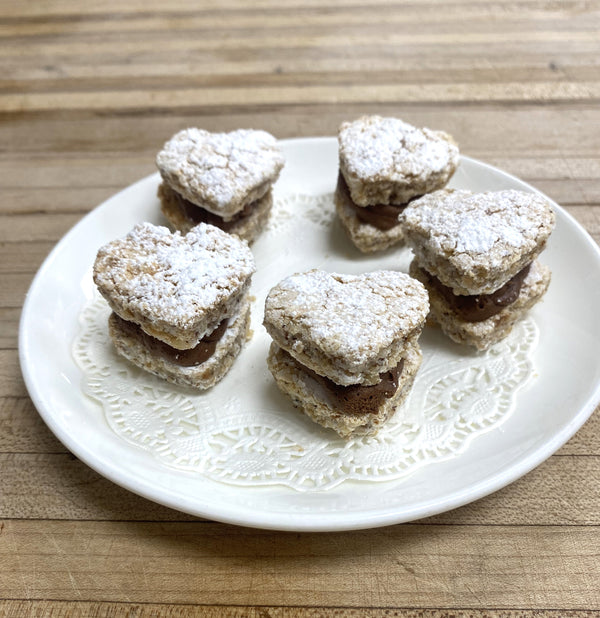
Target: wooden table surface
[[88, 92]]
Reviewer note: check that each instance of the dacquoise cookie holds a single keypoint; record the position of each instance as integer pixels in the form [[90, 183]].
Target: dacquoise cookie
[[180, 304], [384, 163], [476, 255], [224, 179], [345, 347]]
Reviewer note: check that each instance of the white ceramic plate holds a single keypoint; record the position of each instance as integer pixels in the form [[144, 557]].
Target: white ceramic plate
[[564, 394]]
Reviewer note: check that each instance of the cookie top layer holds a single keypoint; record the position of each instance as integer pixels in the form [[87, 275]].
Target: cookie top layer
[[221, 172], [388, 161], [475, 242], [177, 288], [349, 328]]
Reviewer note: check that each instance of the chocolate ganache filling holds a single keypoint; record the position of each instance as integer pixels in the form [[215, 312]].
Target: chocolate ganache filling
[[479, 307], [185, 358], [196, 214], [357, 398], [382, 216]]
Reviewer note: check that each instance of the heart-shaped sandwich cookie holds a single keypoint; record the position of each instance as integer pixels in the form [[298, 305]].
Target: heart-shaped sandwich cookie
[[180, 303], [345, 346], [385, 163], [476, 255], [475, 242], [224, 179]]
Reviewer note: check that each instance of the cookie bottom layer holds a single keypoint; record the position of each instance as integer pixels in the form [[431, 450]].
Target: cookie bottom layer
[[310, 397], [201, 376], [366, 237], [485, 333], [247, 227]]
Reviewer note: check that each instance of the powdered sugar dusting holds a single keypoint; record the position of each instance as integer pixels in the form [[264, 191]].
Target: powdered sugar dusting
[[347, 315], [168, 277], [473, 237], [373, 147], [463, 222], [219, 169]]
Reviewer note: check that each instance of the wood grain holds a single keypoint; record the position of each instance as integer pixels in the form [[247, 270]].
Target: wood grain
[[77, 609], [185, 562], [89, 92]]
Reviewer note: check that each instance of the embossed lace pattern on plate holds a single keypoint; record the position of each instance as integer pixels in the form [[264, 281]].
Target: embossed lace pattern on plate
[[244, 432]]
